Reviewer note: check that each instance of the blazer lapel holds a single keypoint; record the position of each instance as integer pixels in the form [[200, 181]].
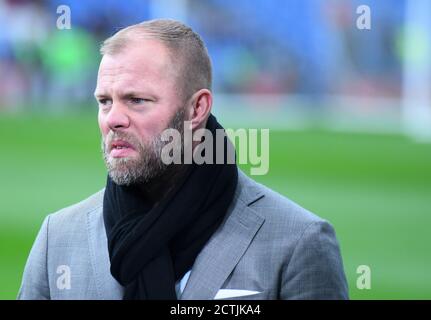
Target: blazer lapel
[[226, 247]]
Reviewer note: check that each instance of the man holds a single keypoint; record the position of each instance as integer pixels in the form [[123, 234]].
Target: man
[[175, 231]]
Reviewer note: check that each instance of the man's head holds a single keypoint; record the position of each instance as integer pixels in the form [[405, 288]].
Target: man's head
[[152, 76]]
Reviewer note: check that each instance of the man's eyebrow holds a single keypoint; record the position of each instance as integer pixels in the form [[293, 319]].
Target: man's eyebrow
[[124, 95], [128, 94], [99, 95], [132, 94]]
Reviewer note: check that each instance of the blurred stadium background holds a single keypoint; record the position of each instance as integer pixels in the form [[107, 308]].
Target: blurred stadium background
[[349, 112]]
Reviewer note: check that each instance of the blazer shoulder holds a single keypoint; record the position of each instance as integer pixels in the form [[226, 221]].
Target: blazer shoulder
[[280, 212], [77, 212]]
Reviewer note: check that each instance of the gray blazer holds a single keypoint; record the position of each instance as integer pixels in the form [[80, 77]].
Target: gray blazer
[[266, 245]]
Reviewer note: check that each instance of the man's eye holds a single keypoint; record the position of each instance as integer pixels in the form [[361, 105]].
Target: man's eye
[[138, 100], [103, 101]]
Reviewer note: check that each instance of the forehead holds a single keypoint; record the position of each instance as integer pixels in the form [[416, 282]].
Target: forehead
[[146, 62]]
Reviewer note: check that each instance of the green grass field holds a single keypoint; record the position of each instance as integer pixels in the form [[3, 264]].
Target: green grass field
[[375, 190]]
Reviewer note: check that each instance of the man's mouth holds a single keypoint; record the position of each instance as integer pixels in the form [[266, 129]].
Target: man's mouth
[[121, 148]]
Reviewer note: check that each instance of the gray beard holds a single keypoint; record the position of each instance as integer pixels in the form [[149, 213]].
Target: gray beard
[[148, 165]]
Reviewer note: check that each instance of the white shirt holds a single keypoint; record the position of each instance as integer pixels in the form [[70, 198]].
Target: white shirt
[[181, 284]]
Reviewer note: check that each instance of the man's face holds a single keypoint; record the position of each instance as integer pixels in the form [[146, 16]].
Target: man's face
[[138, 98]]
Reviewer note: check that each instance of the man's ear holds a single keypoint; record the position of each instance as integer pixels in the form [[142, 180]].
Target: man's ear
[[200, 105]]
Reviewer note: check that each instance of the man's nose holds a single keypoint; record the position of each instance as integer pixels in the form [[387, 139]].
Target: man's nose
[[117, 117]]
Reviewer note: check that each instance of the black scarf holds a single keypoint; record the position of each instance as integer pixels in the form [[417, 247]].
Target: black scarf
[[152, 245]]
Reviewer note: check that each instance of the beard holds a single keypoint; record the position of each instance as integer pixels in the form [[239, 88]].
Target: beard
[[148, 164]]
